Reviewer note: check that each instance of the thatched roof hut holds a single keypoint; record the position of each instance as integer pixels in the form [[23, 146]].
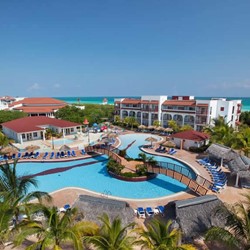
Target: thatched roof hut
[[239, 164], [93, 207], [195, 216], [219, 151]]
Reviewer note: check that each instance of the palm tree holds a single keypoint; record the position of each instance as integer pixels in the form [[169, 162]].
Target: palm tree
[[236, 234], [6, 214], [4, 141], [242, 140], [221, 132], [159, 236], [15, 188], [147, 159], [112, 236], [56, 229]]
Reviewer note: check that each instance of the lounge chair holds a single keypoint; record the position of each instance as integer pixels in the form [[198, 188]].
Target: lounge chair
[[66, 207], [58, 155], [52, 155], [149, 211], [83, 152], [19, 155], [141, 212], [36, 155], [161, 210], [68, 153], [13, 157], [45, 155], [26, 155], [73, 153], [62, 154]]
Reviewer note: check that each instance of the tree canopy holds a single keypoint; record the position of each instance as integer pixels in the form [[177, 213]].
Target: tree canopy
[[93, 112], [6, 116]]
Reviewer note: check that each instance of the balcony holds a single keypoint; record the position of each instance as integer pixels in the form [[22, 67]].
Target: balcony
[[203, 113], [150, 109]]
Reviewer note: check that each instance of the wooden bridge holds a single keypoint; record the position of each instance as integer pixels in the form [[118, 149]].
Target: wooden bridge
[[196, 183]]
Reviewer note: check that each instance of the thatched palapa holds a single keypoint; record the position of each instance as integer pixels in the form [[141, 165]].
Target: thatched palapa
[[219, 151], [93, 207], [197, 215]]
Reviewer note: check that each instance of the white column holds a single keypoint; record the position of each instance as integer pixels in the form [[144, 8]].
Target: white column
[[44, 131], [21, 139], [237, 180], [63, 132], [221, 162]]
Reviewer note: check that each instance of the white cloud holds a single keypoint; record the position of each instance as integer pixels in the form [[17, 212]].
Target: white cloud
[[34, 86]]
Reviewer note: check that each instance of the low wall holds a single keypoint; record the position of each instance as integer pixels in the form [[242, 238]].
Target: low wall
[[133, 179]]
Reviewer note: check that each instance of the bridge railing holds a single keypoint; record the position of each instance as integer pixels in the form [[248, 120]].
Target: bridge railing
[[105, 151]]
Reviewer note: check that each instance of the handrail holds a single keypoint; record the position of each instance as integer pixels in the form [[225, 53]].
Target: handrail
[[200, 185]]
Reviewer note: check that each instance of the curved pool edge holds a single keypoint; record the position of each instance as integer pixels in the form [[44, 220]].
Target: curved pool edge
[[172, 157], [121, 198]]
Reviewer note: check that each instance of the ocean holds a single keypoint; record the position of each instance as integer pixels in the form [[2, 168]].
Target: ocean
[[110, 99]]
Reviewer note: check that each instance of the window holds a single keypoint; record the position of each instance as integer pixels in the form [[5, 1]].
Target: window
[[72, 130], [35, 134], [222, 108], [23, 136]]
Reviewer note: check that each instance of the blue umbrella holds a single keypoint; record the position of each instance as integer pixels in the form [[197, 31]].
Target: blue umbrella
[[66, 207], [95, 125]]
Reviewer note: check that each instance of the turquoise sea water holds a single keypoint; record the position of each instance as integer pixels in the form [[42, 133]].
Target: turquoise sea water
[[99, 100]]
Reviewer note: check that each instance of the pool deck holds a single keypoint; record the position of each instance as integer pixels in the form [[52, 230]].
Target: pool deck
[[230, 194]]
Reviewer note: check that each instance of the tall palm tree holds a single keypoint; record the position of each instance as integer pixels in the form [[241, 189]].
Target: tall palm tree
[[112, 236], [4, 141], [56, 229], [15, 188], [242, 140], [236, 234], [159, 236]]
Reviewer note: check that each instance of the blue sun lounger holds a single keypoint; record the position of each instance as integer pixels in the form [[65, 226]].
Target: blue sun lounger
[[149, 211], [73, 153], [68, 154], [141, 212], [83, 152], [161, 210], [45, 155], [52, 155], [19, 155]]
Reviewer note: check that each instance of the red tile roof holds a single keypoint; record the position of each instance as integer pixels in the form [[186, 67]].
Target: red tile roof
[[191, 135], [34, 123], [46, 109], [149, 102], [179, 102], [130, 101], [39, 100]]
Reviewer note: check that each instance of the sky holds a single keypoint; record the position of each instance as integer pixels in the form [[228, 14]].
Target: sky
[[124, 48]]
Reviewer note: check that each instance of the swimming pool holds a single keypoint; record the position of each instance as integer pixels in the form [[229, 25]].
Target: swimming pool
[[94, 177], [60, 142]]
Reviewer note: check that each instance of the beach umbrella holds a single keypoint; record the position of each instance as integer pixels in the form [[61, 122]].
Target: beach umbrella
[[151, 139], [142, 127], [95, 125], [32, 147], [112, 135], [159, 128], [9, 150], [169, 144], [151, 127], [64, 148], [168, 130]]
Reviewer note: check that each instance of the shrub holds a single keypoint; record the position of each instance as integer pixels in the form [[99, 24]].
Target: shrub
[[141, 169], [114, 166]]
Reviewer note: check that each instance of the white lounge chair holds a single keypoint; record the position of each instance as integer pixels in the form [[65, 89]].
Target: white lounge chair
[[141, 212]]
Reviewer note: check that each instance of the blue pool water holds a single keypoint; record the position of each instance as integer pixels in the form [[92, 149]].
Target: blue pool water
[[60, 142], [94, 177]]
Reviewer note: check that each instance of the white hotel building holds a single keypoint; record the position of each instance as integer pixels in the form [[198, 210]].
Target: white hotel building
[[185, 110]]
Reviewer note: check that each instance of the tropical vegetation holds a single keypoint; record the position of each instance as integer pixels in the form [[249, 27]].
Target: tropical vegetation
[[159, 235], [6, 116], [56, 229], [93, 112], [236, 233], [222, 133], [112, 235]]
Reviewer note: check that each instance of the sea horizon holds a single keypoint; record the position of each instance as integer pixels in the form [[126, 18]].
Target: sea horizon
[[110, 99]]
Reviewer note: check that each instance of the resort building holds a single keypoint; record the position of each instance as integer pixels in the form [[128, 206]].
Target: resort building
[[185, 110], [34, 128], [189, 138], [5, 101], [38, 106]]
